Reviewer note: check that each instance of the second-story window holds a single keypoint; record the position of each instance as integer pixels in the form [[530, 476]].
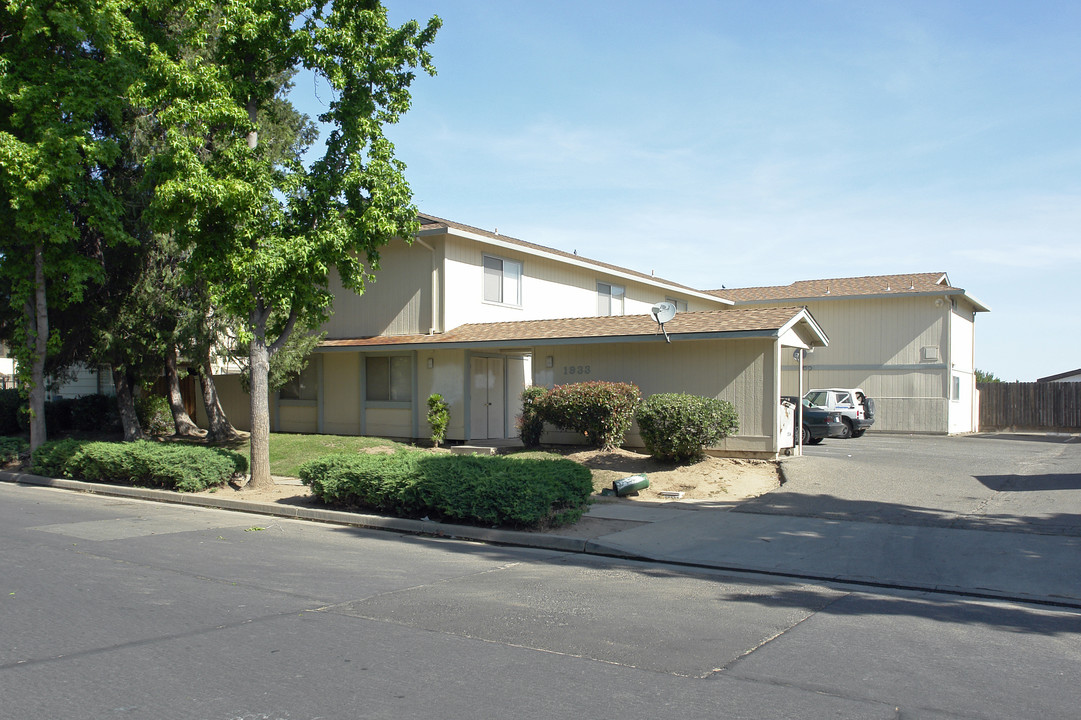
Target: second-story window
[[609, 299], [681, 305], [502, 281]]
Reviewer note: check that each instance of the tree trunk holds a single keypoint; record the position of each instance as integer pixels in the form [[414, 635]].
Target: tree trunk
[[220, 428], [37, 320], [125, 401], [259, 363], [184, 425]]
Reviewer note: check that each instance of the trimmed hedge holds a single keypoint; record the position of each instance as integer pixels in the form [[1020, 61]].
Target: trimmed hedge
[[489, 490], [184, 468], [677, 427], [602, 411]]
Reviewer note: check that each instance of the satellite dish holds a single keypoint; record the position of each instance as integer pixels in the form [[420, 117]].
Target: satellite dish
[[662, 312]]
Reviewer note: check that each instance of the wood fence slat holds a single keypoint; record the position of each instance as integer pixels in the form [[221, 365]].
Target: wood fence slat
[[1033, 406]]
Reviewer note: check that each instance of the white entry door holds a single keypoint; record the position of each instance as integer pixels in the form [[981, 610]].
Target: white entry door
[[487, 413]]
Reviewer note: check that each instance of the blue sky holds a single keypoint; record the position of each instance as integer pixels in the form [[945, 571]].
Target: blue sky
[[759, 143]]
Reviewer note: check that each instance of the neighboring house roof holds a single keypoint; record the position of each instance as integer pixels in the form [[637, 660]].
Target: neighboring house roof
[[849, 288], [1061, 376], [752, 322], [429, 224]]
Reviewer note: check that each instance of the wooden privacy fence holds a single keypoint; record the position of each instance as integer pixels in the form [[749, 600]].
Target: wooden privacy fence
[[1043, 406]]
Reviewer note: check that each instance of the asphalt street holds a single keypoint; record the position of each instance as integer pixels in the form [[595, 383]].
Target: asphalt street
[[117, 608]]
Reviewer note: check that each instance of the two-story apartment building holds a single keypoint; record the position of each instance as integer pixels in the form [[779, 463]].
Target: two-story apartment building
[[907, 340], [476, 317]]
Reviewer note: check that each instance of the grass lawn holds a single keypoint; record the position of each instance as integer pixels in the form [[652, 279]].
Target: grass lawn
[[288, 451]]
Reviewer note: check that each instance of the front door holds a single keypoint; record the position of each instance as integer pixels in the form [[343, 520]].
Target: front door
[[487, 413]]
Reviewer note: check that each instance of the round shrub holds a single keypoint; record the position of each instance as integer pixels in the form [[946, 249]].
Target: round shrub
[[530, 422], [678, 427], [602, 411], [155, 415]]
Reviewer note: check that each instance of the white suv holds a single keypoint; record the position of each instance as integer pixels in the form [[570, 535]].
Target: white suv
[[857, 410]]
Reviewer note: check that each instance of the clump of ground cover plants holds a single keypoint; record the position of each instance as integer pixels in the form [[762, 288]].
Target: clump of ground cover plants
[[478, 489]]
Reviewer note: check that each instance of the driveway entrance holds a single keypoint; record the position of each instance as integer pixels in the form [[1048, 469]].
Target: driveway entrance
[[1006, 482]]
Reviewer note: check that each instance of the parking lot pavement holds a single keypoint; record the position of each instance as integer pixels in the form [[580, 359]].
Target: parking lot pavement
[[997, 482]]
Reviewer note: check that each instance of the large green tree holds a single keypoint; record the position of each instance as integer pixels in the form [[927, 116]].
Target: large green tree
[[64, 69], [266, 227]]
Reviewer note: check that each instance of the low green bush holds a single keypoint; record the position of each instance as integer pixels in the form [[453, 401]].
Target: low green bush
[[602, 411], [474, 489], [10, 447], [52, 456], [677, 427], [155, 415], [180, 467], [530, 423]]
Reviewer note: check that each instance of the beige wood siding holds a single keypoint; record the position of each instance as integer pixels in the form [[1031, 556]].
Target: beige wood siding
[[234, 401], [341, 393], [550, 289], [398, 302], [739, 371]]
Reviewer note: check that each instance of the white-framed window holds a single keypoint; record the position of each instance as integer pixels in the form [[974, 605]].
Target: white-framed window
[[955, 389], [502, 281], [304, 386], [389, 378], [681, 305], [609, 299]]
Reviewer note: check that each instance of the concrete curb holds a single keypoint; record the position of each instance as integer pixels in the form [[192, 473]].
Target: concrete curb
[[492, 536]]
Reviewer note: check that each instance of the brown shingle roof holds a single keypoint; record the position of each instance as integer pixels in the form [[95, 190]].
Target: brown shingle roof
[[709, 323], [430, 222], [868, 285]]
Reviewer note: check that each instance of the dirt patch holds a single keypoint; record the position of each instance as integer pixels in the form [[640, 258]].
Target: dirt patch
[[710, 479]]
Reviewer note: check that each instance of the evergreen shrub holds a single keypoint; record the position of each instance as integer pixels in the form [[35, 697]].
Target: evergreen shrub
[[678, 427], [438, 417], [184, 468], [530, 422], [489, 490], [10, 447], [602, 411], [155, 415]]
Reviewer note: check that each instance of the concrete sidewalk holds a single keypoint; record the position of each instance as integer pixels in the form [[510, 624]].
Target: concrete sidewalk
[[1017, 566]]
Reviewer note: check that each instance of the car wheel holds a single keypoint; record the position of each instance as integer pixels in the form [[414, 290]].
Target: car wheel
[[806, 436], [846, 429], [815, 441]]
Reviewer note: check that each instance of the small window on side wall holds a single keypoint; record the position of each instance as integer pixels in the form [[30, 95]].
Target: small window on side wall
[[389, 378], [502, 281], [955, 390], [609, 299], [680, 305], [304, 386]]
